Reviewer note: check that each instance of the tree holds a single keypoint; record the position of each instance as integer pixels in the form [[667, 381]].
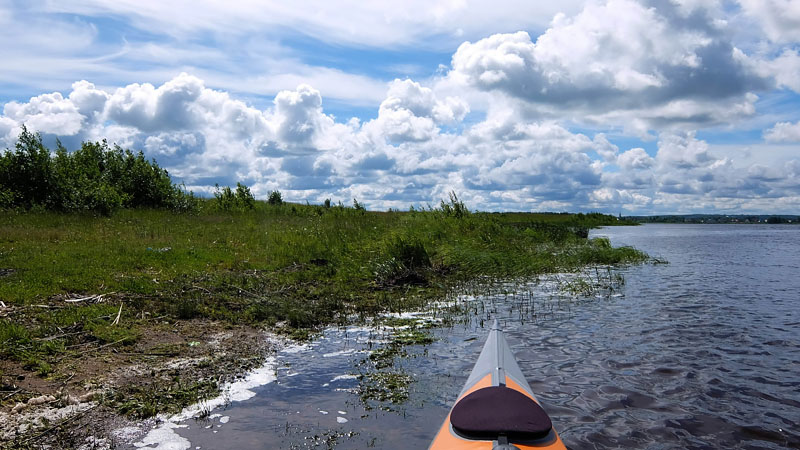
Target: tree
[[27, 171], [275, 198]]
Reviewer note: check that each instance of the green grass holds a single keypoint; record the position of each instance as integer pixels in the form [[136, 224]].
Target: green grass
[[141, 402], [300, 265]]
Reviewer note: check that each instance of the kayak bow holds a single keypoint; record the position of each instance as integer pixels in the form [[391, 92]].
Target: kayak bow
[[497, 409]]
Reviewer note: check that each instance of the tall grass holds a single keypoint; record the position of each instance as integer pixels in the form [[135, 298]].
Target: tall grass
[[155, 252], [300, 265]]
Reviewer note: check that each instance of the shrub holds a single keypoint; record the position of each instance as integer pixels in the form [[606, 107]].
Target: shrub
[[275, 198], [27, 170], [104, 199], [407, 262], [225, 198], [95, 177], [455, 208], [228, 200], [6, 198], [244, 198]]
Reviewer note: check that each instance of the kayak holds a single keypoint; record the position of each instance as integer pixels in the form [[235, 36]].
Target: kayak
[[497, 409]]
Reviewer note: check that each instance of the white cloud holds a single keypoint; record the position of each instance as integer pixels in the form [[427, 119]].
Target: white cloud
[[203, 136], [9, 130], [614, 61], [783, 132], [412, 112], [780, 19], [784, 69], [87, 98], [635, 158], [683, 151], [515, 122], [387, 24], [52, 50], [615, 197], [49, 113], [299, 115]]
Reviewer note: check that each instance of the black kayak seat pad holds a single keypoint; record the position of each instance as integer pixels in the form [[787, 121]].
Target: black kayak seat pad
[[498, 410]]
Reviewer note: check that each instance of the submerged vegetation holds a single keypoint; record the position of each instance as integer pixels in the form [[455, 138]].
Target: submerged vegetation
[[76, 284]]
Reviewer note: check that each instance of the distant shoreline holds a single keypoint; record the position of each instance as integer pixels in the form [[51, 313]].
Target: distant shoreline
[[763, 219]]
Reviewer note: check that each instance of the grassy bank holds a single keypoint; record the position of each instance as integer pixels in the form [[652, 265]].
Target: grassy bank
[[73, 283]]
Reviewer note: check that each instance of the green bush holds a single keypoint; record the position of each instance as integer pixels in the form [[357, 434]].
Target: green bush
[[244, 197], [275, 198], [406, 262], [358, 206], [455, 208], [228, 200], [96, 177], [27, 171], [6, 198]]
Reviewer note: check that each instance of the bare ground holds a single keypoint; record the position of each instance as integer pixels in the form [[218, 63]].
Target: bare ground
[[78, 406]]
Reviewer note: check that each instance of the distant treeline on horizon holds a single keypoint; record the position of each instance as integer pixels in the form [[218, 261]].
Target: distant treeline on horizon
[[717, 218]]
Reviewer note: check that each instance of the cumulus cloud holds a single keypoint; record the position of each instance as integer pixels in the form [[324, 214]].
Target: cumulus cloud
[[171, 106], [780, 19], [515, 122], [49, 113], [299, 115], [783, 132], [412, 112], [617, 59], [783, 70], [635, 158], [690, 175], [682, 150], [402, 157]]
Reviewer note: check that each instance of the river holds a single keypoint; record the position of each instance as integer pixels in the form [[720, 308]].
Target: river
[[701, 352]]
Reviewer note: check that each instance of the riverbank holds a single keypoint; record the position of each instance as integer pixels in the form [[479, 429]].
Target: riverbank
[[148, 311]]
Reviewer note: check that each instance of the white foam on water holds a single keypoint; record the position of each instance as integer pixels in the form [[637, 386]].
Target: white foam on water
[[224, 419], [359, 329], [164, 437], [298, 348], [344, 377], [341, 420], [342, 413], [349, 351], [405, 315], [324, 413]]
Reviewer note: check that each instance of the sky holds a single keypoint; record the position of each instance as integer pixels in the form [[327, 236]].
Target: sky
[[618, 106]]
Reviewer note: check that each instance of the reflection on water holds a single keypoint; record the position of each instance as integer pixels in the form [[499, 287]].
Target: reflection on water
[[703, 352]]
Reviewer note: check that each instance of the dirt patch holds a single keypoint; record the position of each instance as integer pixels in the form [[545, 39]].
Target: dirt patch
[[106, 389]]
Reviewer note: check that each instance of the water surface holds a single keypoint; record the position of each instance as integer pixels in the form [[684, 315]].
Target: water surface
[[703, 352]]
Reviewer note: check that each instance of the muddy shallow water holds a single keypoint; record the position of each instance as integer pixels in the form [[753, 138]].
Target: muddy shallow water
[[703, 352]]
